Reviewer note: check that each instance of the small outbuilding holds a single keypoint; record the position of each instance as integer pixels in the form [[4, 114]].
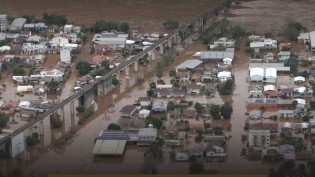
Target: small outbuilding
[[256, 74], [271, 75]]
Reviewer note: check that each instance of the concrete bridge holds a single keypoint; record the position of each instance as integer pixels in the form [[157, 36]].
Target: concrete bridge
[[42, 125]]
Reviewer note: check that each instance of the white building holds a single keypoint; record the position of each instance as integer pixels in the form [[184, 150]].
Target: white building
[[312, 37], [256, 74], [66, 55], [271, 75], [146, 136], [312, 125], [59, 41], [269, 88], [68, 28], [17, 24], [259, 138], [188, 64], [228, 61], [3, 22], [224, 76]]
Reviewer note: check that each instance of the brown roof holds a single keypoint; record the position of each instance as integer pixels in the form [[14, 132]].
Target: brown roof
[[273, 127], [144, 99], [189, 113], [128, 109], [183, 74], [271, 93], [210, 145], [196, 126], [10, 104], [193, 86]]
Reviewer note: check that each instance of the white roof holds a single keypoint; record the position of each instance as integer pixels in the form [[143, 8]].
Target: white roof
[[224, 74], [24, 103], [287, 125], [269, 88], [300, 89], [271, 72], [312, 36], [146, 43], [109, 147], [304, 36], [5, 48], [257, 44], [197, 54], [216, 55], [256, 71], [227, 59], [299, 78], [147, 132], [300, 101], [130, 42], [191, 64]]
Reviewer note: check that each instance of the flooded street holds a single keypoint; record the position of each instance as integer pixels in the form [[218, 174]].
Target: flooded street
[[74, 156]]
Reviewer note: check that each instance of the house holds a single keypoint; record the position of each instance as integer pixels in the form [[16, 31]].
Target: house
[[175, 114], [178, 92], [159, 105], [223, 76], [287, 126], [164, 92], [286, 92], [215, 149], [181, 156], [272, 127], [208, 77], [259, 138], [268, 58], [17, 24], [189, 114], [312, 37], [59, 41], [39, 59], [255, 114], [304, 38], [284, 55], [269, 88], [146, 136], [216, 56], [34, 39], [102, 49], [52, 73], [256, 74], [197, 152], [68, 28], [22, 88], [183, 76], [255, 93], [284, 113], [312, 126], [3, 22], [10, 104], [34, 48], [127, 111], [267, 44], [144, 101], [40, 26], [300, 103], [279, 66], [53, 29], [115, 43], [270, 75], [188, 65], [66, 55], [193, 88], [302, 92], [225, 42], [311, 75], [73, 37], [299, 79], [311, 114], [29, 27], [287, 151], [228, 61], [144, 113]]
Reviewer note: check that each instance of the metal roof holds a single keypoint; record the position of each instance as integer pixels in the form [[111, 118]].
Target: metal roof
[[278, 66], [217, 54], [189, 64], [256, 71], [147, 132], [17, 23], [271, 72], [312, 36], [109, 147], [113, 135]]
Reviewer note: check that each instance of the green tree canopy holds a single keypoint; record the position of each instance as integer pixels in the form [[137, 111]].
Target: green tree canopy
[[83, 67], [226, 110], [171, 24], [4, 119], [215, 111], [156, 122], [199, 108], [115, 81], [196, 168], [18, 71], [53, 19], [113, 126]]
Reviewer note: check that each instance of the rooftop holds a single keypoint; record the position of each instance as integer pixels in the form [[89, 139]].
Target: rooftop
[[190, 64]]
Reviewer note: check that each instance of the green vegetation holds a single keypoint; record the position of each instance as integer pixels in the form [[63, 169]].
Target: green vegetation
[[53, 84], [32, 140], [102, 25], [293, 29], [17, 71], [86, 114], [80, 108], [227, 87], [83, 67], [171, 24], [199, 108], [156, 122], [312, 105], [115, 81], [56, 122], [226, 110], [53, 19], [113, 126], [215, 111], [173, 155], [198, 138], [4, 119], [196, 168], [293, 64]]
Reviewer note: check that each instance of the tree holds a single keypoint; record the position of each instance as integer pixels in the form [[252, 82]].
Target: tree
[[4, 119], [17, 71], [226, 110], [53, 19], [294, 103], [199, 108], [173, 155], [171, 24], [198, 138], [124, 27], [29, 18], [312, 105], [115, 81], [171, 106], [293, 29], [56, 122], [83, 67], [159, 73], [53, 84], [172, 73], [150, 93], [80, 108], [226, 88], [215, 111], [196, 168], [152, 85], [105, 64], [113, 126], [156, 122], [237, 32]]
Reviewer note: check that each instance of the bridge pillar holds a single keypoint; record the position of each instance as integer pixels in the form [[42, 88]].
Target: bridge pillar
[[162, 49], [136, 63], [118, 75], [201, 23], [169, 42], [177, 39], [87, 99], [108, 85], [63, 117], [127, 70], [72, 108], [45, 130], [152, 53], [100, 88]]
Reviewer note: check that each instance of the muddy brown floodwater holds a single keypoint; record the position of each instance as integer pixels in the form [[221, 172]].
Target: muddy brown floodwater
[[75, 155]]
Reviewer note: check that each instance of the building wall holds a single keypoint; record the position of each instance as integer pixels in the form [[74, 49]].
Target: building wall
[[3, 24], [65, 55], [259, 138]]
